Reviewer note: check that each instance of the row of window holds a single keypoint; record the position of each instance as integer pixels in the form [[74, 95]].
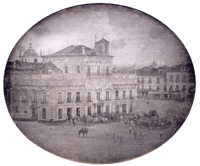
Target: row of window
[[35, 60], [78, 70], [150, 80], [165, 88], [158, 79], [89, 111], [69, 96]]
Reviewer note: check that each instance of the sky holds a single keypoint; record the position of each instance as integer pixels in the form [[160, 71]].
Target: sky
[[135, 37]]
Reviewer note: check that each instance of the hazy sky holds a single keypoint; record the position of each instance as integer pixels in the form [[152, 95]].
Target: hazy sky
[[134, 36]]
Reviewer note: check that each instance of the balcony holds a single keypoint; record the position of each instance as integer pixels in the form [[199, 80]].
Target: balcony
[[59, 102], [44, 102], [98, 75], [117, 98]]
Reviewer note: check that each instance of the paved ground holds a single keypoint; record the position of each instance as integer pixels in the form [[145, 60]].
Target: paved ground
[[98, 146]]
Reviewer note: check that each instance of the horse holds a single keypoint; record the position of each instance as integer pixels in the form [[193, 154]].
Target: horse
[[83, 131], [145, 124]]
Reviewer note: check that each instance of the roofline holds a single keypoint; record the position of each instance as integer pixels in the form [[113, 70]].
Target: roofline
[[57, 56]]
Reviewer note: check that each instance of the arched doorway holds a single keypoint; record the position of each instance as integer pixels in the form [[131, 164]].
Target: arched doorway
[[98, 109]]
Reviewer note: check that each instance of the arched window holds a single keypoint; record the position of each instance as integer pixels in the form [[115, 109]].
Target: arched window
[[35, 60]]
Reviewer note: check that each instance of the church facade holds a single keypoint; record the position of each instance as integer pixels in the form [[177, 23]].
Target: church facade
[[74, 82]]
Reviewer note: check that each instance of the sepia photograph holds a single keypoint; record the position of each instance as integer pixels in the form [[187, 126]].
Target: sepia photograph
[[99, 83]]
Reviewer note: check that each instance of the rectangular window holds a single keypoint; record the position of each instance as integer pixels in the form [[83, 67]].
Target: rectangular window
[[158, 88], [44, 97], [184, 88], [171, 88], [124, 94], [142, 81], [149, 87], [98, 95], [138, 80], [107, 95], [59, 113], [78, 97], [184, 78], [107, 108], [89, 96], [98, 70], [130, 94], [107, 71], [34, 96], [150, 81], [177, 87], [177, 78], [69, 97], [66, 69], [117, 95], [78, 113], [88, 71], [60, 97], [158, 80], [131, 108], [43, 113], [165, 88], [171, 78], [142, 86], [89, 111], [78, 69]]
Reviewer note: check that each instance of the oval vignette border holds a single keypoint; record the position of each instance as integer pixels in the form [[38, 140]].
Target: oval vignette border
[[195, 68]]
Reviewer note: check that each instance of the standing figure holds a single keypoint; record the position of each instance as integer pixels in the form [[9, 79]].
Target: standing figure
[[130, 129], [135, 134], [141, 135], [121, 139], [73, 120], [161, 134]]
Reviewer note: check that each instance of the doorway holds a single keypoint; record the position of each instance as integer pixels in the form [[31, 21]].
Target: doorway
[[34, 113], [98, 109], [69, 113]]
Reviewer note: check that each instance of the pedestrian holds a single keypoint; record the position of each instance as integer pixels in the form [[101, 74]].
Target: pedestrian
[[141, 135], [73, 120], [130, 129], [161, 134], [135, 134]]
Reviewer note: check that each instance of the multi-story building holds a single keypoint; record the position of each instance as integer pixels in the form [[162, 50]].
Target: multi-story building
[[75, 81], [166, 82]]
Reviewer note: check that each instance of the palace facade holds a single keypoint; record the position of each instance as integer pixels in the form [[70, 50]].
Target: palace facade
[[78, 81], [75, 81]]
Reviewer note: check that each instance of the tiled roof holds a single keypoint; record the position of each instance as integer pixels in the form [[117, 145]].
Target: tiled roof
[[73, 50], [45, 68], [30, 52]]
